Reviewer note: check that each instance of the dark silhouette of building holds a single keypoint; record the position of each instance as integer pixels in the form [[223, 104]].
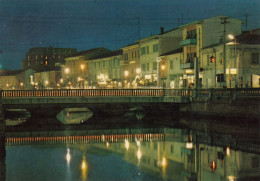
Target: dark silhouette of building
[[46, 58]]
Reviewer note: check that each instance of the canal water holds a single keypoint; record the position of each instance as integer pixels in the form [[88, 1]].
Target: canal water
[[160, 153], [181, 149]]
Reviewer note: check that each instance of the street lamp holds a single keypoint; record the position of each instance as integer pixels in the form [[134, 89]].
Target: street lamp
[[232, 37], [67, 71], [163, 69], [82, 66], [126, 73], [138, 71]]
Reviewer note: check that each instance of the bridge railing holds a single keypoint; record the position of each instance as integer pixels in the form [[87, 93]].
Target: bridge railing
[[230, 93], [234, 93], [82, 92]]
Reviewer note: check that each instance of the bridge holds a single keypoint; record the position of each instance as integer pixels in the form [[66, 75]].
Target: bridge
[[57, 99]]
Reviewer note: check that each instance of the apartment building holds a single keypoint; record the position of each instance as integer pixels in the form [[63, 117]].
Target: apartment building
[[198, 35]]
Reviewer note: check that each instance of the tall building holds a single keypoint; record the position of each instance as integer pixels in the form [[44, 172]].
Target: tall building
[[150, 50], [131, 65], [200, 34], [242, 63], [46, 58]]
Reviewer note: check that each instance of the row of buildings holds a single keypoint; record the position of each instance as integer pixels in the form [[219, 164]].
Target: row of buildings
[[208, 53]]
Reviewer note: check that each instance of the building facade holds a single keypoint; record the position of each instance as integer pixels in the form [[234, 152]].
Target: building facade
[[242, 63], [131, 65], [200, 34], [75, 72], [150, 50], [47, 80], [16, 79], [173, 73], [46, 58], [106, 71]]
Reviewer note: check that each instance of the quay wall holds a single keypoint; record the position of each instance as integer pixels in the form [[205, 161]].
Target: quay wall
[[224, 108]]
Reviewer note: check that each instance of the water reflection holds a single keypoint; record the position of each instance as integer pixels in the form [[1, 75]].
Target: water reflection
[[164, 154], [2, 158]]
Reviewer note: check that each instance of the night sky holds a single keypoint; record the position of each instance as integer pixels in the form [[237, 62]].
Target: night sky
[[86, 24]]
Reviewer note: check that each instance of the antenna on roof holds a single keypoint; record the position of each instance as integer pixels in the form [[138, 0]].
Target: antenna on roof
[[246, 20]]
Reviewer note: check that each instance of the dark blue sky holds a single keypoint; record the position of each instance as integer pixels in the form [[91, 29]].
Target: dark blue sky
[[85, 24]]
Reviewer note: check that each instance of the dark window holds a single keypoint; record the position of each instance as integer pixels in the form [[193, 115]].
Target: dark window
[[143, 67], [126, 56], [143, 50], [192, 34], [147, 49], [221, 59], [220, 77], [171, 64], [255, 58], [172, 149], [155, 48], [154, 65], [147, 67], [190, 57]]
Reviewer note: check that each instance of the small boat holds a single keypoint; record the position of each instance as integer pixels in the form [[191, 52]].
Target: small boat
[[14, 122]]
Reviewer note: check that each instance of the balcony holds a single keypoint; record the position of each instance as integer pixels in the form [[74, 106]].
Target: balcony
[[187, 65], [188, 42]]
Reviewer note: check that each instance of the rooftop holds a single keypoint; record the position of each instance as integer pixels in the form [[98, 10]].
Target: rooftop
[[109, 54], [10, 72], [91, 53], [179, 50]]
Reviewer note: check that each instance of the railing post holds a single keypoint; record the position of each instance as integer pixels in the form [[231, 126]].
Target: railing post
[[210, 94], [234, 95]]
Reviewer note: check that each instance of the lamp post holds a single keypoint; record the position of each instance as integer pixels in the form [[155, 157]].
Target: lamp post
[[232, 37], [82, 66], [163, 69], [67, 71], [126, 73]]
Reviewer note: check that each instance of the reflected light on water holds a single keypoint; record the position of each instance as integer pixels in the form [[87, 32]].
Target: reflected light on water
[[138, 142], [84, 168], [228, 151], [164, 163], [83, 165], [231, 178], [107, 144], [139, 154], [127, 145], [68, 156]]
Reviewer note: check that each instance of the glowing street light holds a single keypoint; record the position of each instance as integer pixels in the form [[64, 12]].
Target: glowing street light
[[163, 66], [67, 70], [82, 66], [126, 73], [127, 144], [138, 71], [232, 37]]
